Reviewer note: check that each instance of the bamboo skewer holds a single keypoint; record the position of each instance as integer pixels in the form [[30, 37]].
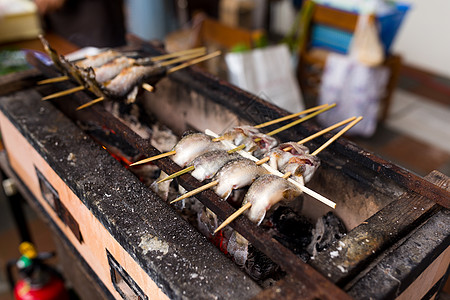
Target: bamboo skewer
[[148, 87], [323, 131], [99, 99], [306, 111], [194, 61], [233, 216], [337, 135], [186, 56], [241, 147], [272, 122], [64, 93], [145, 86], [306, 118], [176, 174], [53, 80], [153, 158], [196, 191], [272, 171], [178, 53], [313, 136], [181, 59]]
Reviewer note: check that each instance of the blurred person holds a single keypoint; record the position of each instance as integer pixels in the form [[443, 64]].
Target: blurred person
[[97, 23]]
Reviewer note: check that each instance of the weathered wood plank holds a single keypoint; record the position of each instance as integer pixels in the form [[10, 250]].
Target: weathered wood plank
[[395, 275], [347, 257]]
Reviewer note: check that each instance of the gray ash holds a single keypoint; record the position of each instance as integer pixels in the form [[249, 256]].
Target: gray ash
[[328, 229]]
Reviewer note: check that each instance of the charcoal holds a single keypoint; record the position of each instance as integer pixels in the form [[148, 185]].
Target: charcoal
[[291, 229], [261, 268], [329, 228]]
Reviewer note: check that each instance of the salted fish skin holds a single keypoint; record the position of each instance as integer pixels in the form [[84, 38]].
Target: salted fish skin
[[113, 68], [265, 192], [246, 134], [193, 145], [302, 165], [279, 158], [236, 174], [131, 77], [98, 60], [207, 164]]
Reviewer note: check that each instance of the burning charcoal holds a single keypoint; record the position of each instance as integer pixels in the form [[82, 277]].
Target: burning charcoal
[[328, 229], [207, 222], [260, 267], [292, 230], [238, 248]]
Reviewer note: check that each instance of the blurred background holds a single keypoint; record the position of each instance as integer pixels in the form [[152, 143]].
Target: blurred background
[[387, 61]]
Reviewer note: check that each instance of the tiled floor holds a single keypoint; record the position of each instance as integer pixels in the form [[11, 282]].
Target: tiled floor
[[416, 135]]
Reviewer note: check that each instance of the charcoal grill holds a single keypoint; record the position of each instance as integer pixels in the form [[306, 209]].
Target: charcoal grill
[[131, 243]]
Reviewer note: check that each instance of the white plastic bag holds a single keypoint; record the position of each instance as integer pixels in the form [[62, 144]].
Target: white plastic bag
[[266, 72], [356, 89], [366, 46]]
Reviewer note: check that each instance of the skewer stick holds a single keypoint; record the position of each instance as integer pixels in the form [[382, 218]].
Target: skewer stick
[[286, 175], [310, 116], [153, 158], [306, 111], [241, 147], [90, 103], [178, 53], [271, 170], [181, 58], [148, 87], [53, 80], [287, 126], [241, 210], [238, 148], [179, 173], [332, 127], [145, 86], [267, 167], [337, 135], [233, 216], [196, 191], [64, 93], [194, 61], [313, 136]]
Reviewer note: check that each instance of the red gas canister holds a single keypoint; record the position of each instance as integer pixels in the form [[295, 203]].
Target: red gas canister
[[39, 281]]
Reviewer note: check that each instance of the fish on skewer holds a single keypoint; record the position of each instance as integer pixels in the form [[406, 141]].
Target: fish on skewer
[[236, 174], [191, 146], [123, 86], [296, 160], [265, 193], [133, 76], [249, 204], [255, 141], [206, 140], [98, 60], [208, 164], [112, 68], [302, 167], [277, 153], [278, 157]]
